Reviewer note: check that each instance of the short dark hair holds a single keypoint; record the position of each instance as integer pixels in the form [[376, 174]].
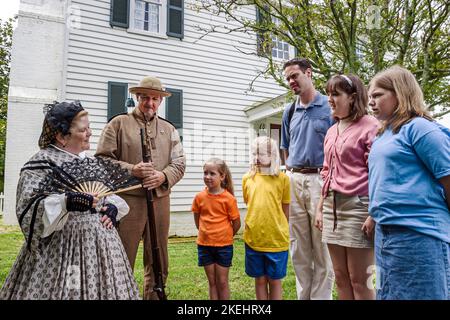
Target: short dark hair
[[302, 63]]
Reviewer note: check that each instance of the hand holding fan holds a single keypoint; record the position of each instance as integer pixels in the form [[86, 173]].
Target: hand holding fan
[[90, 175]]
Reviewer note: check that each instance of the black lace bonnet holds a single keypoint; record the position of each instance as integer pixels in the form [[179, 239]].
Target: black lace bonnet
[[58, 118]]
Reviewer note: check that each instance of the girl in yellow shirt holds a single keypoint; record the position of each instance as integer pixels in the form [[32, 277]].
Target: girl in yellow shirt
[[266, 192]]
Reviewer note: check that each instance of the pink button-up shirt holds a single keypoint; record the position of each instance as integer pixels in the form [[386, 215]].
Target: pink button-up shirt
[[345, 165]]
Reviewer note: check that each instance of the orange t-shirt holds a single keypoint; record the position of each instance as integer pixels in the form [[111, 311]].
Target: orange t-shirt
[[216, 211]]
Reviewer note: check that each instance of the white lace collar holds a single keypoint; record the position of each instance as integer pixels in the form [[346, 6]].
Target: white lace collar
[[81, 155]]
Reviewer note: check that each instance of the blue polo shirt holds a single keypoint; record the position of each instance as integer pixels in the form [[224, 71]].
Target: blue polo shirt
[[304, 136], [404, 170]]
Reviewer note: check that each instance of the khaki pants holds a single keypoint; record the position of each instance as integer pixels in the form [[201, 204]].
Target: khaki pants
[[134, 227], [310, 258]]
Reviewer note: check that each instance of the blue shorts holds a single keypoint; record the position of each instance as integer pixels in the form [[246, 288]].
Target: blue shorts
[[410, 265], [270, 264], [221, 255]]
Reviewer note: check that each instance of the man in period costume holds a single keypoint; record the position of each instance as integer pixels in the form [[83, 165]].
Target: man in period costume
[[120, 141]]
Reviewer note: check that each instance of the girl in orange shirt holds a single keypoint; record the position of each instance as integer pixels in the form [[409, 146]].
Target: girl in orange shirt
[[217, 219]]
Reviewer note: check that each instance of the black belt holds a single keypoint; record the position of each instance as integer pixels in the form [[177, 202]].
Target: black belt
[[304, 169]]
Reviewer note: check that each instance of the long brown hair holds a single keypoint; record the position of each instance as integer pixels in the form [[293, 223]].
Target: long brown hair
[[222, 167], [351, 85], [404, 85]]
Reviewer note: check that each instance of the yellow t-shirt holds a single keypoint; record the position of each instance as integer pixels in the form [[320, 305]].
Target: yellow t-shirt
[[266, 226]]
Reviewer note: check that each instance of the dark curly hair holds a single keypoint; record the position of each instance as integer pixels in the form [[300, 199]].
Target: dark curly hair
[[58, 119]]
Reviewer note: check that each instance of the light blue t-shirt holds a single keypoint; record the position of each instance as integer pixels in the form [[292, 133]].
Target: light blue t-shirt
[[404, 170], [304, 135]]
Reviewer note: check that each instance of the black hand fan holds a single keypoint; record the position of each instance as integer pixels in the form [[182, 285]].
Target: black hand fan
[[89, 175]]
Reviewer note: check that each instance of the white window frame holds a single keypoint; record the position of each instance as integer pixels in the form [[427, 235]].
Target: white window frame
[[162, 19], [291, 50]]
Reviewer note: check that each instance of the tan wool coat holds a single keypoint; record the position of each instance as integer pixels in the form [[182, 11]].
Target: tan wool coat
[[121, 141]]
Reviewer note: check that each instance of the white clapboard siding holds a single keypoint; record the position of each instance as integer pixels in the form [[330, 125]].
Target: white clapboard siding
[[212, 73]]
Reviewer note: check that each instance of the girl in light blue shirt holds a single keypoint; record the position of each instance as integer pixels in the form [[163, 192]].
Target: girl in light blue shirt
[[409, 191]]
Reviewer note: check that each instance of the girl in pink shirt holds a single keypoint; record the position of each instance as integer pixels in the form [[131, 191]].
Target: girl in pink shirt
[[342, 212]]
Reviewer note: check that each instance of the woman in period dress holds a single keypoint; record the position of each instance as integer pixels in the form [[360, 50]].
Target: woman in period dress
[[70, 251]]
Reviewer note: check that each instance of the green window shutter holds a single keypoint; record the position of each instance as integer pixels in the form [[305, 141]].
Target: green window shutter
[[174, 108], [119, 13], [175, 18], [263, 42], [117, 97]]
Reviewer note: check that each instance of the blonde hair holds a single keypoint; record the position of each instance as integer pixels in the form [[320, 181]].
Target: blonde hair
[[272, 149], [222, 167], [405, 87]]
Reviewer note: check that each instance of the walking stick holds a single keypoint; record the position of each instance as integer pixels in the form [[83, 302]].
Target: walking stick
[[156, 265]]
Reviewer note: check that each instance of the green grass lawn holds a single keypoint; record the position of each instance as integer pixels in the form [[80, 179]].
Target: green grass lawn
[[186, 280]]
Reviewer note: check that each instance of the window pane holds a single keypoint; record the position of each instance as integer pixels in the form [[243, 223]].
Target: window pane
[[138, 24], [139, 14], [140, 5], [280, 49], [146, 15], [153, 17]]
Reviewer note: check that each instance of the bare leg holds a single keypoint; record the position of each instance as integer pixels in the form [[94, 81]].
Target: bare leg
[[360, 262], [275, 289], [210, 271], [343, 284], [223, 288], [261, 288]]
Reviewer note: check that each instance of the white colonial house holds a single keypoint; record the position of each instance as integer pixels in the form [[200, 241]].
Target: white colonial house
[[93, 50]]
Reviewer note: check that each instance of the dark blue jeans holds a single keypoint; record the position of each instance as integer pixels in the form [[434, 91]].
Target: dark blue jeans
[[411, 265]]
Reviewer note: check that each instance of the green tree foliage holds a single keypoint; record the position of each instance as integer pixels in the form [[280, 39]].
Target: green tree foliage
[[360, 37], [6, 30]]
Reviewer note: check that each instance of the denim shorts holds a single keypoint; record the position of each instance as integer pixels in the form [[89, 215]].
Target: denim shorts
[[221, 255], [410, 265], [270, 264]]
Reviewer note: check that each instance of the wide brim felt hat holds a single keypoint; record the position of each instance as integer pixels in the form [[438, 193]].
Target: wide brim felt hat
[[150, 85]]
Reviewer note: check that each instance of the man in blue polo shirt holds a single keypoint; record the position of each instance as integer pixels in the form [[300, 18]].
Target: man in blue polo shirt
[[302, 136]]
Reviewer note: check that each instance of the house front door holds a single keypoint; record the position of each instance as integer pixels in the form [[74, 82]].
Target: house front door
[[275, 134]]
